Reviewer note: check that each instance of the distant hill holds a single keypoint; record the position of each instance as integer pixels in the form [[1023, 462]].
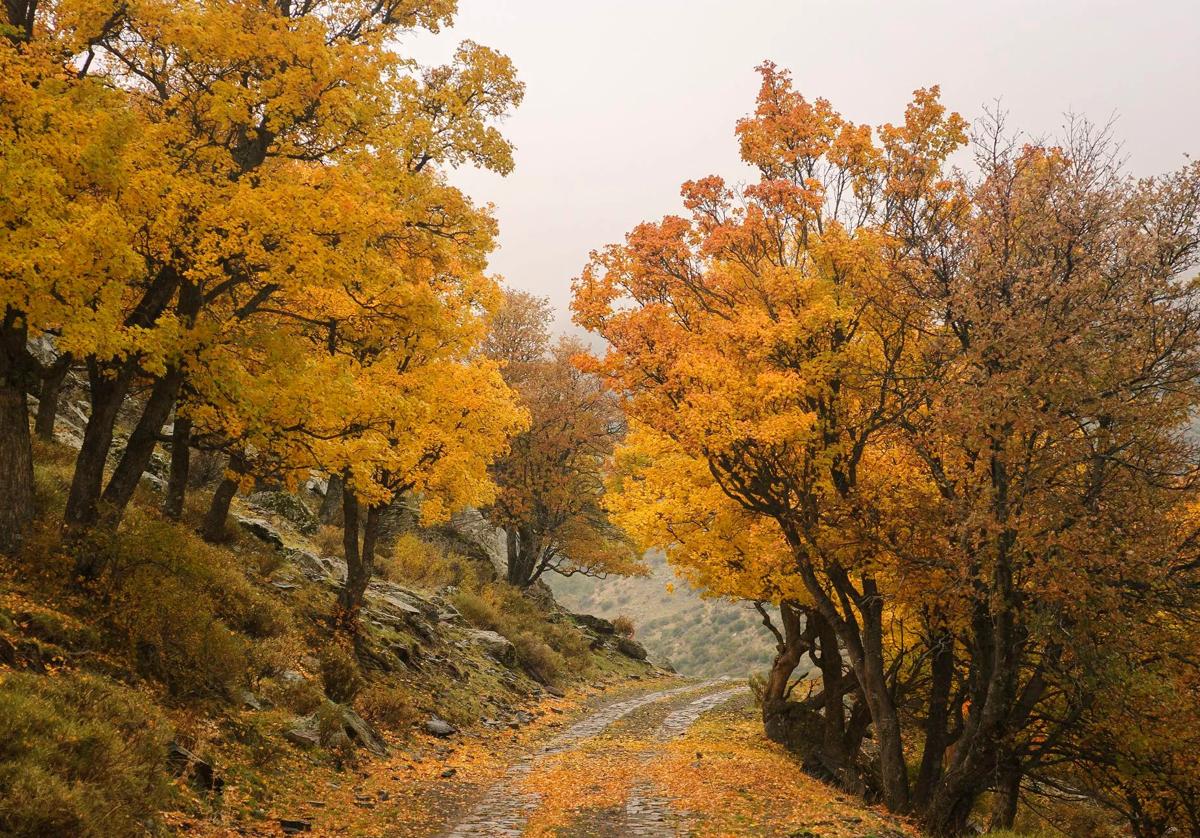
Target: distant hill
[[700, 637]]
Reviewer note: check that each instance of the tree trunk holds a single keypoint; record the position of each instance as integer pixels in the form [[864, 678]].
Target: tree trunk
[[864, 647], [108, 387], [360, 560], [942, 676], [88, 493], [16, 451], [777, 723], [331, 504], [522, 556], [212, 529], [140, 448], [48, 394], [1008, 795], [177, 480]]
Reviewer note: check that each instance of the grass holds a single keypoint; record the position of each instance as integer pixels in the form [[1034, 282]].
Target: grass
[[78, 756]]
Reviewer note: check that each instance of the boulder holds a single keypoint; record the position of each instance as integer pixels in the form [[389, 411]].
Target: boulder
[[304, 737], [496, 645], [438, 727], [338, 725], [362, 733], [596, 624], [318, 568], [262, 530], [289, 507], [631, 648], [203, 775]]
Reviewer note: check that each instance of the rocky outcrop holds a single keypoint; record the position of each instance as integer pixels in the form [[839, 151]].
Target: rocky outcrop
[[333, 724], [631, 648], [495, 645], [261, 529], [289, 507]]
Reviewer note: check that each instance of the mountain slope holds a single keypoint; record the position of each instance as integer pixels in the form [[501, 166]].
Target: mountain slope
[[700, 637]]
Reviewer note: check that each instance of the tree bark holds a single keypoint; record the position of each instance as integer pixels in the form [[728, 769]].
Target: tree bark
[[934, 752], [331, 504], [16, 445], [140, 447], [360, 559], [523, 555], [177, 480], [213, 529], [1008, 795], [48, 395], [108, 387], [863, 639], [790, 651]]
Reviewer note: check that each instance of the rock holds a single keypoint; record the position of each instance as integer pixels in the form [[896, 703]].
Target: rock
[[262, 530], [361, 732], [291, 676], [304, 737], [340, 727], [449, 772], [250, 700], [289, 507], [318, 568], [596, 624], [496, 645], [557, 692], [631, 648], [439, 727], [292, 826]]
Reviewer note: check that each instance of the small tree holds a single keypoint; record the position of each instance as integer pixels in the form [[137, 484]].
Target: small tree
[[551, 483]]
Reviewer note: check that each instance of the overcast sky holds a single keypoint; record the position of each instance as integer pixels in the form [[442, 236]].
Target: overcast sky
[[625, 100]]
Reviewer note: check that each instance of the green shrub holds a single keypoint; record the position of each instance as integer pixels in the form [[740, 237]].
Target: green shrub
[[477, 610], [185, 611], [504, 609], [339, 673], [538, 659], [300, 697], [328, 540], [388, 705], [78, 756]]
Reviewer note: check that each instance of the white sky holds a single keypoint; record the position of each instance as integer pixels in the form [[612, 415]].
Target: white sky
[[626, 100]]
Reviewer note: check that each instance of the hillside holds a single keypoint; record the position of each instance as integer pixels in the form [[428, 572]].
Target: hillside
[[210, 686], [700, 637]]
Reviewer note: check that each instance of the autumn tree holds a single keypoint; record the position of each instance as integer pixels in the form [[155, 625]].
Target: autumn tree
[[65, 258], [957, 401], [668, 500], [550, 485], [276, 159]]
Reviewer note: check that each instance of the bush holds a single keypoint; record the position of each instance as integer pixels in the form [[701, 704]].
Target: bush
[[300, 697], [388, 705], [185, 611], [339, 673], [623, 625], [78, 756], [419, 564], [504, 609], [538, 659], [328, 540], [477, 610]]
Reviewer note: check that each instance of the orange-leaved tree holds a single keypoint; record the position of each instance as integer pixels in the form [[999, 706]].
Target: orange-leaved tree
[[961, 403]]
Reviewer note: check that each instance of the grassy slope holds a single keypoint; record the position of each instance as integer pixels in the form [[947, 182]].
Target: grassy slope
[[700, 637], [222, 649]]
